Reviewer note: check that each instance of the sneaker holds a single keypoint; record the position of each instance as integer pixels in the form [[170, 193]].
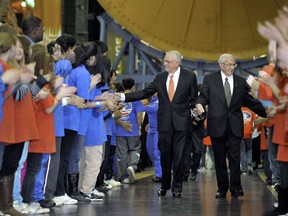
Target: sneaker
[[79, 197], [276, 204], [276, 186], [244, 173], [20, 207], [64, 200], [42, 210], [126, 181], [250, 169], [157, 179], [90, 197], [268, 182], [98, 193], [131, 174], [202, 169], [35, 208], [104, 187], [45, 203], [113, 183]]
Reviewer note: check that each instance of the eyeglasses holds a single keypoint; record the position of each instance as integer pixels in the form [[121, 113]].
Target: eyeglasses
[[166, 61], [230, 65]]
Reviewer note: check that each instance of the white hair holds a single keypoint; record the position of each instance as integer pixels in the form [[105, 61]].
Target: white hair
[[176, 54], [225, 56]]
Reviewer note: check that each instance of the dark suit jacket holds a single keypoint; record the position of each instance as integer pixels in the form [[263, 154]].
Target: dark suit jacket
[[219, 113], [178, 110]]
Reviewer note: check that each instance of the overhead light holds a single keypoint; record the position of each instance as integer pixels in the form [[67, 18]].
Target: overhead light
[[23, 4]]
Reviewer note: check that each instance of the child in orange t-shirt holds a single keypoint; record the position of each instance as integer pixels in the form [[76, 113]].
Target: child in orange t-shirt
[[246, 143], [207, 158]]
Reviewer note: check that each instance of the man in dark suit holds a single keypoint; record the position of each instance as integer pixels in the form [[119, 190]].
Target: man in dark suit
[[225, 93], [177, 91]]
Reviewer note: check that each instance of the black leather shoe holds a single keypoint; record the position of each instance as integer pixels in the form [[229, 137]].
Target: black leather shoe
[[161, 192], [220, 195], [156, 179], [236, 193], [47, 203], [176, 195]]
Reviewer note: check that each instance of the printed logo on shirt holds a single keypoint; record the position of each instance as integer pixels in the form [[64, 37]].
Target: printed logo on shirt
[[247, 116], [125, 111]]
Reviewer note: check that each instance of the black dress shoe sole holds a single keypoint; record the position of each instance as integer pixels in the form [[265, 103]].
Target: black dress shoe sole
[[220, 196], [161, 192]]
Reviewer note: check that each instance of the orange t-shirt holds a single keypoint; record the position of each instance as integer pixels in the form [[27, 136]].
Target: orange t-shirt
[[264, 92], [45, 123], [279, 136], [282, 154], [248, 116], [207, 139], [18, 123]]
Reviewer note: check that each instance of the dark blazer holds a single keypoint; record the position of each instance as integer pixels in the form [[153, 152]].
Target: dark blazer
[[219, 113], [178, 110]]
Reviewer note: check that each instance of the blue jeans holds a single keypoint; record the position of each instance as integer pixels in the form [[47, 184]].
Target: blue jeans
[[246, 153], [272, 155], [74, 158], [17, 180], [68, 159]]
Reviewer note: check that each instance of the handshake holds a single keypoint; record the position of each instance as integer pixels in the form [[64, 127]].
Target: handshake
[[198, 113]]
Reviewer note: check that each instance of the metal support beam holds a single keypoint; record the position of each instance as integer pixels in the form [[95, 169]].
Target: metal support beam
[[116, 63], [103, 29]]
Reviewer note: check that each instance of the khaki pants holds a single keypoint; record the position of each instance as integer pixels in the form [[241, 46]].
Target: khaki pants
[[90, 164]]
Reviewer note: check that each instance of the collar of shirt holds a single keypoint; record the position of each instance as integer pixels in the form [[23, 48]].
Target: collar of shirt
[[31, 41], [175, 78]]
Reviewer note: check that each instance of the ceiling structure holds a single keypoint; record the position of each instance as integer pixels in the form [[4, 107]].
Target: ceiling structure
[[199, 29]]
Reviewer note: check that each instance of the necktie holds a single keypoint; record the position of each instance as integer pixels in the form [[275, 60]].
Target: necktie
[[171, 88], [227, 91]]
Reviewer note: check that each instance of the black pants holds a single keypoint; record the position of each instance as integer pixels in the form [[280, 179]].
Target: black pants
[[227, 145], [173, 146], [11, 158], [66, 147], [194, 154]]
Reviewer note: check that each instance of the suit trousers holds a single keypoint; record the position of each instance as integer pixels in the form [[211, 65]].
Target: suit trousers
[[227, 146], [173, 146]]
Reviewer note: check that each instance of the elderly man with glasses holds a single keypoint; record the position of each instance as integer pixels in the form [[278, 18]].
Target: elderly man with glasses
[[225, 93]]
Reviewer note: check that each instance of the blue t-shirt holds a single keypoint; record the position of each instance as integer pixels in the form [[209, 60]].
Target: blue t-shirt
[[74, 118], [96, 133], [129, 112], [62, 68], [152, 110]]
